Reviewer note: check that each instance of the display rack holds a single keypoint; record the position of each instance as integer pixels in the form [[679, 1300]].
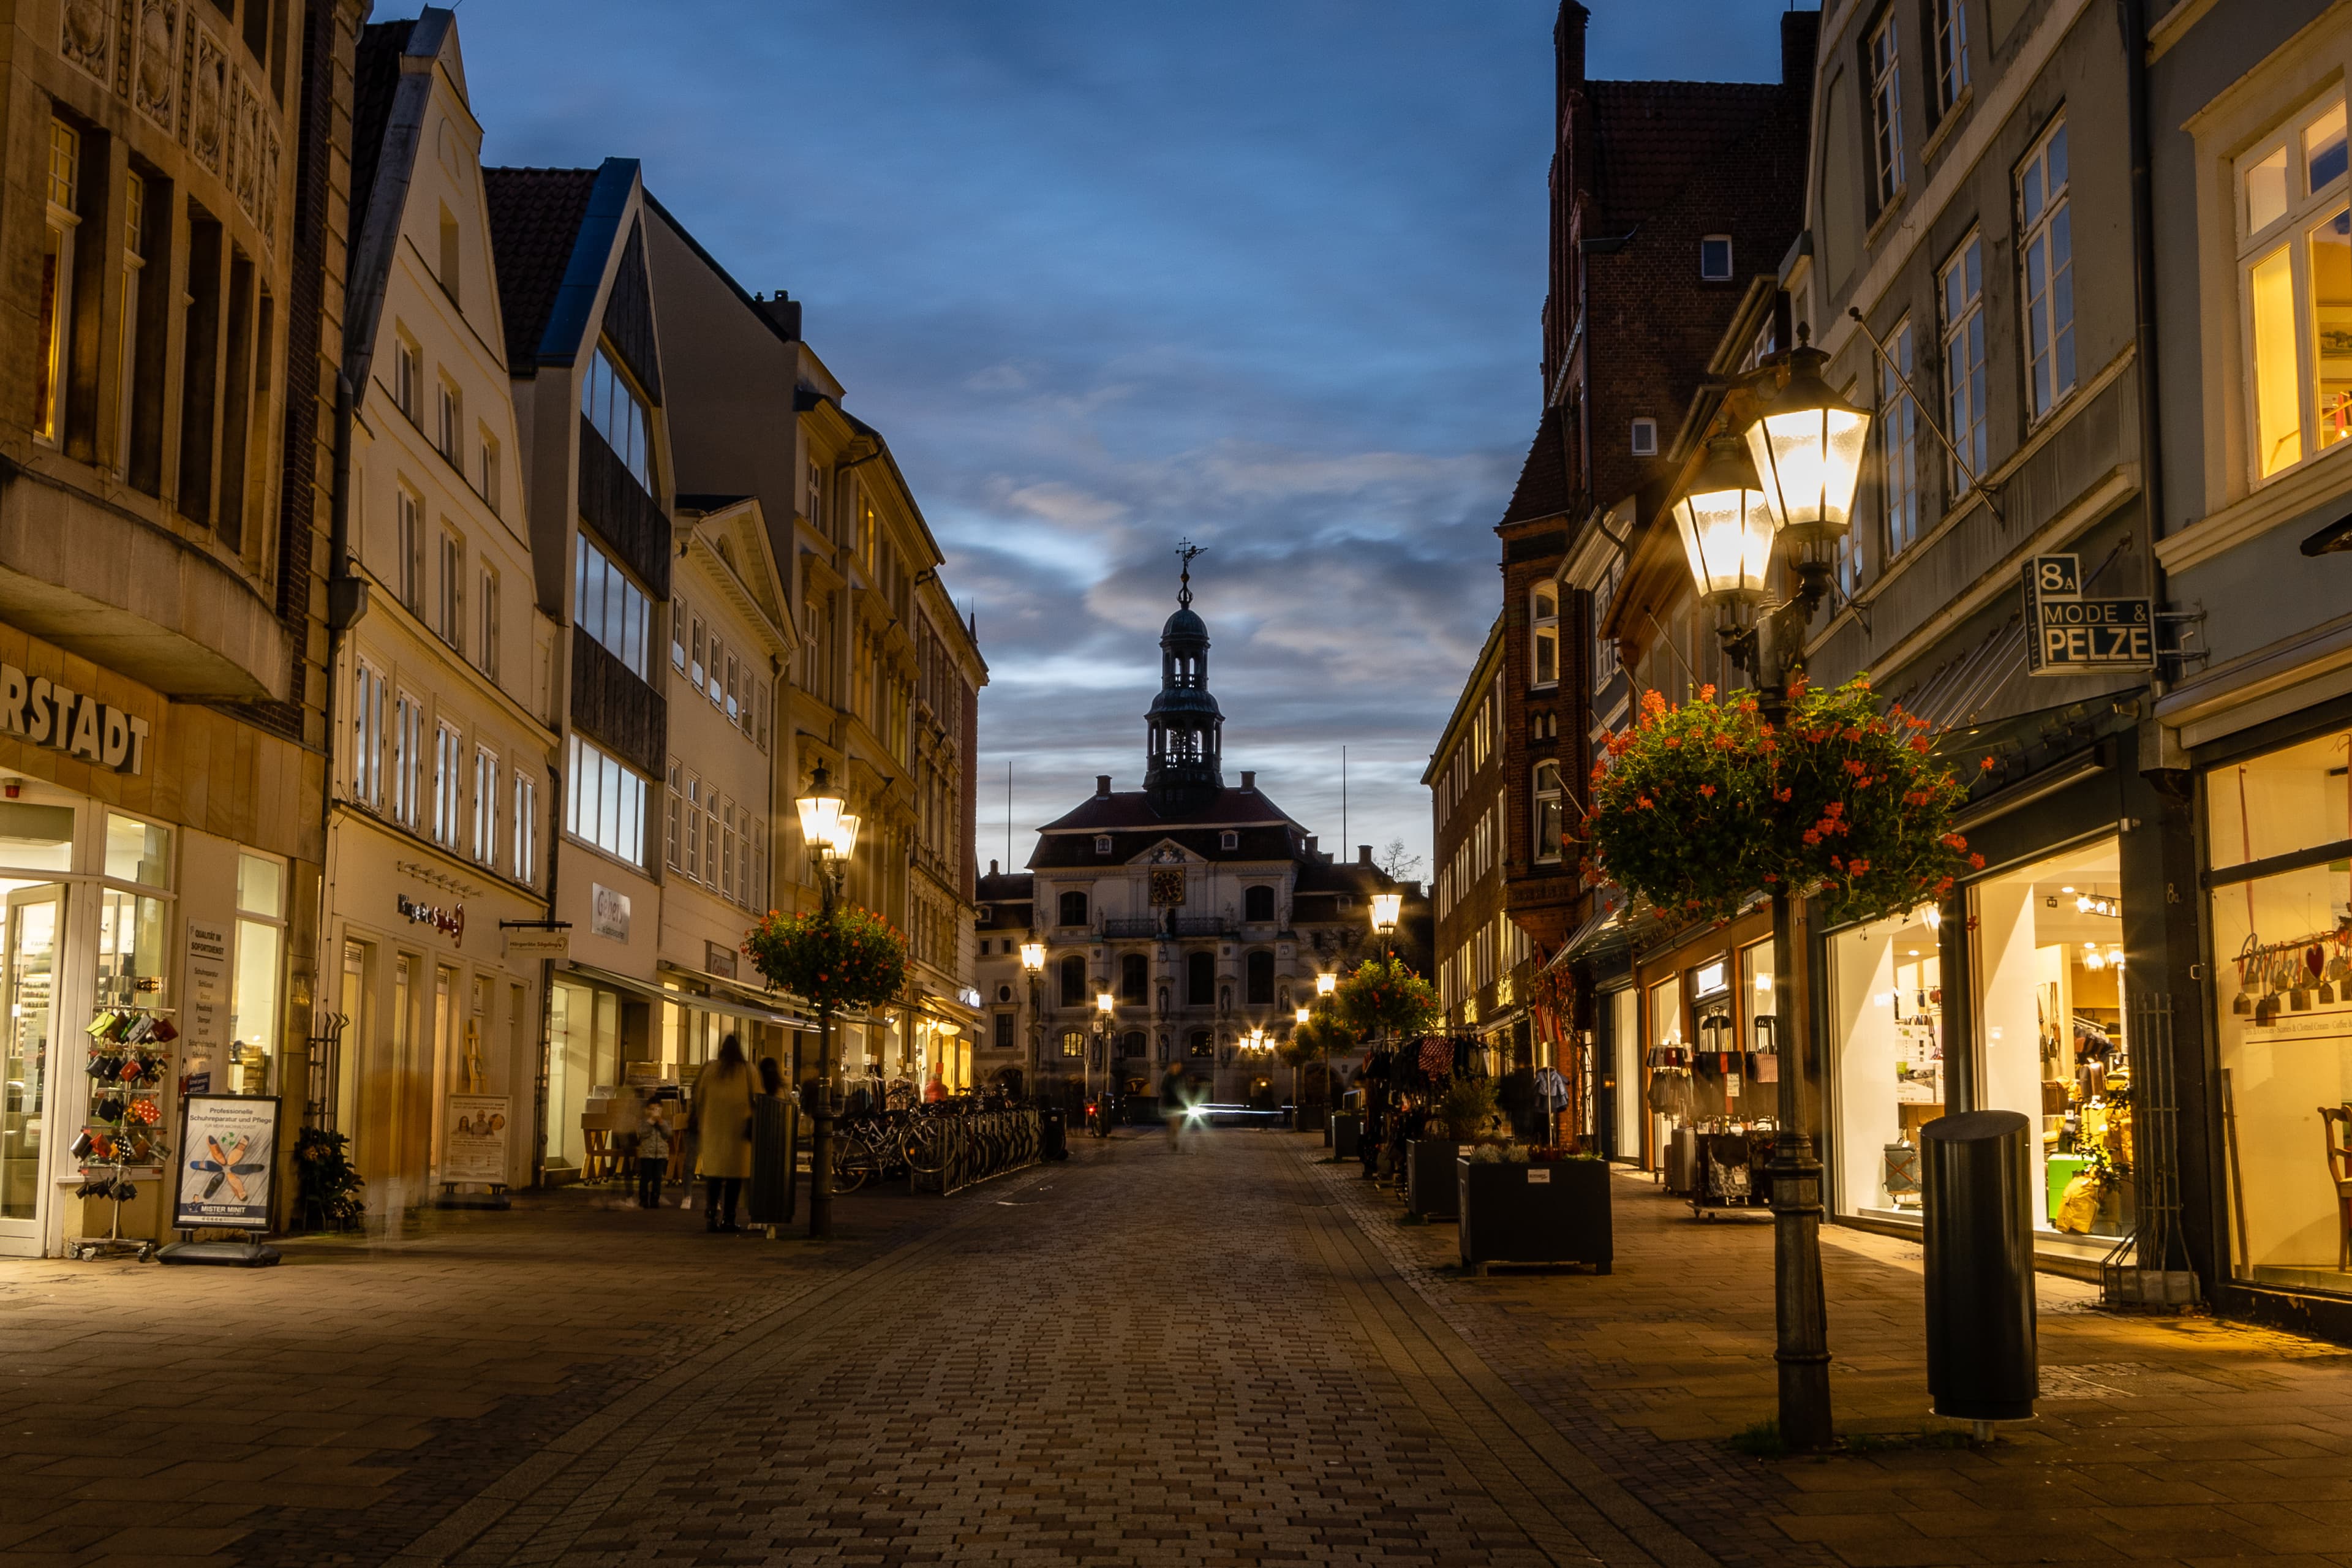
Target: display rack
[[130, 1061]]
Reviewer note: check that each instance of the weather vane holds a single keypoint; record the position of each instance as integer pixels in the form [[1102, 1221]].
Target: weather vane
[[1185, 551]]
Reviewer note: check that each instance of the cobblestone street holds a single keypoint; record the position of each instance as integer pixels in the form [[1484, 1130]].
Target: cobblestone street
[[1237, 1355]]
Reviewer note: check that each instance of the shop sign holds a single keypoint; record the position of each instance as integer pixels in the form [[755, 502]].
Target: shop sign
[[608, 912], [45, 714], [718, 960], [2067, 634], [228, 1145], [476, 1148], [204, 1025], [450, 922], [539, 942]]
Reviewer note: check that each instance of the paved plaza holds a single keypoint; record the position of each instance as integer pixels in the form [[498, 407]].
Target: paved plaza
[[1237, 1355]]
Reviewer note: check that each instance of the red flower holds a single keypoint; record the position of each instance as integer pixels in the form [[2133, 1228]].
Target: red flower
[[1707, 790], [1706, 693], [1919, 744], [1954, 841], [1986, 765], [1784, 794], [1977, 862]]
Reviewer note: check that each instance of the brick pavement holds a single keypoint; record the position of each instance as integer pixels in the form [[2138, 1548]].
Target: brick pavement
[[1234, 1356]]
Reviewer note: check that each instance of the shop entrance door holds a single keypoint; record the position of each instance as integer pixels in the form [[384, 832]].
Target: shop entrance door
[[29, 1065]]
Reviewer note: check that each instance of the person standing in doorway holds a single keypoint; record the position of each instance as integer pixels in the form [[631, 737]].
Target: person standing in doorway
[[722, 1121]]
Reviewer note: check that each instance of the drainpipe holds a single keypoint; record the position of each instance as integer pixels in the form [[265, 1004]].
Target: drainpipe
[[346, 602], [2131, 16]]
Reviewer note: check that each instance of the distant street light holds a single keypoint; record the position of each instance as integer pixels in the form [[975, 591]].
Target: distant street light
[[830, 835]]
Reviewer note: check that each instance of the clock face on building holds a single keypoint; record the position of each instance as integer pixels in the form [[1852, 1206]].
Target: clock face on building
[[1167, 887]]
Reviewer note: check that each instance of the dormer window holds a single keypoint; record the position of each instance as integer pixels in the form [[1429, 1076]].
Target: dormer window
[[1102, 843], [1229, 839]]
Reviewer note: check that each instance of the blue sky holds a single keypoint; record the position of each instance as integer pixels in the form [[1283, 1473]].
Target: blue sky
[[1266, 274]]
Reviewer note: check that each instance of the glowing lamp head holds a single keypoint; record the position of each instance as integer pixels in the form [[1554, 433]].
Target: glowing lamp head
[[1326, 983], [1385, 909], [1808, 448], [1105, 1002], [1032, 956], [1726, 527], [1299, 1017], [820, 810], [844, 836]]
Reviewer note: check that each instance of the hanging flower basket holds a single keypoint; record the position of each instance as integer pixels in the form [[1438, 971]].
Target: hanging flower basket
[[1385, 996], [851, 958], [1700, 805]]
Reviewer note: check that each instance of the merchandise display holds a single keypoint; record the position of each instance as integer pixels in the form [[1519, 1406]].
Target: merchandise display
[[130, 1061]]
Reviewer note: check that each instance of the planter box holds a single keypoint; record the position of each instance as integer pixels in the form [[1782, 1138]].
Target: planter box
[[1556, 1213], [1430, 1188], [1347, 1130]]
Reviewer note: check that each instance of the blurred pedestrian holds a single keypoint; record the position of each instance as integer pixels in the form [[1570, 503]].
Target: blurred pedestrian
[[722, 1125], [771, 1150], [653, 1156], [935, 1089], [1172, 1109]]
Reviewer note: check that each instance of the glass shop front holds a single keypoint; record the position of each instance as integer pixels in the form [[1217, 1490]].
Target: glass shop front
[[2050, 1043], [2278, 834]]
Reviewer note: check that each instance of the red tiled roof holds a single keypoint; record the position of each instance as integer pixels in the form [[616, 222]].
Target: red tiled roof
[[535, 215]]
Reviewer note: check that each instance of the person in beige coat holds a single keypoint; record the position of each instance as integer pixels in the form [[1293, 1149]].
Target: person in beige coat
[[722, 1119]]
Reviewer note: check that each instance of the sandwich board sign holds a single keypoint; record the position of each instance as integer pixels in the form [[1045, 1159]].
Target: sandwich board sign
[[2067, 634]]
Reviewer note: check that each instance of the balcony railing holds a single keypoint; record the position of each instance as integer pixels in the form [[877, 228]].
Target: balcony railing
[[1129, 926]]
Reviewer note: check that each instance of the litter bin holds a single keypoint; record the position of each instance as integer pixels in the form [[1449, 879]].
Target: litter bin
[[1979, 1238], [1347, 1127], [1052, 1133]]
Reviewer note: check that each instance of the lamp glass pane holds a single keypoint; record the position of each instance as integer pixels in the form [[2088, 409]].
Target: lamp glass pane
[[844, 836], [1728, 535], [819, 815], [1810, 460]]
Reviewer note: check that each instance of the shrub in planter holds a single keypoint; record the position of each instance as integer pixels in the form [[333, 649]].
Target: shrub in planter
[[1467, 1109]]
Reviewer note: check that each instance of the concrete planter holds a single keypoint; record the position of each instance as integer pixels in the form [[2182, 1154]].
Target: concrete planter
[[1556, 1213]]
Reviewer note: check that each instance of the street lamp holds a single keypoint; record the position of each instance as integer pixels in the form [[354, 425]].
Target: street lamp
[[1033, 965], [1385, 909], [830, 835], [1326, 983], [1106, 1006], [1795, 482]]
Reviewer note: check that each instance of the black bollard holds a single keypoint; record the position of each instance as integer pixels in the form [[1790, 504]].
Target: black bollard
[[1975, 1175]]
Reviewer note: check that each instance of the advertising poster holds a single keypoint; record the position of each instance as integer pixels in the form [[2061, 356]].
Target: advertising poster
[[227, 1144], [204, 1022], [476, 1148]]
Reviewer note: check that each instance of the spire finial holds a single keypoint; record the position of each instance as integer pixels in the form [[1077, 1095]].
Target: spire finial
[[1185, 551]]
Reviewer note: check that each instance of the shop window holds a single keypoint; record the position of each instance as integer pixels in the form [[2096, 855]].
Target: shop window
[[2283, 999], [1260, 972], [1074, 982], [2294, 260], [257, 976], [1887, 1002], [1625, 1052], [1257, 904], [1134, 977]]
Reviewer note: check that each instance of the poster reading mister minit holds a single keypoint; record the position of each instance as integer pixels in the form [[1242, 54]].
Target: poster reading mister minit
[[225, 1149]]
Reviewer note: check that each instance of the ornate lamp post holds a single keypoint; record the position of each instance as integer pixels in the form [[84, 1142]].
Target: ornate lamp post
[[830, 835], [1105, 1008], [1385, 910], [1794, 484], [1033, 965]]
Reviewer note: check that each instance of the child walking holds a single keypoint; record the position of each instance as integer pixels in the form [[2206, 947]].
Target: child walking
[[653, 1158]]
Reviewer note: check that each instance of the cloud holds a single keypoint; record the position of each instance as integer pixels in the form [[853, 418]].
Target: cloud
[[1265, 275]]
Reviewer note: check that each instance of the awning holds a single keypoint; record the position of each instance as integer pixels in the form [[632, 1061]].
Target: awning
[[644, 988], [1959, 690]]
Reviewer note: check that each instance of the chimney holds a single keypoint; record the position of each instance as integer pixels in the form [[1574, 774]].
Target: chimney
[[992, 867], [1567, 50], [1102, 786], [1800, 35], [1310, 846], [1364, 851], [1249, 779], [785, 311]]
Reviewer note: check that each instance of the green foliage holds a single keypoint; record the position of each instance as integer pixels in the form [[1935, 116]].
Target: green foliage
[[1385, 996], [851, 958], [1321, 1034], [327, 1184], [1468, 1106], [1697, 806]]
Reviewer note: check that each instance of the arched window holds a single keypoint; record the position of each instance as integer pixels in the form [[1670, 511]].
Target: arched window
[[1261, 979], [1074, 980], [1547, 811], [1133, 1043], [1074, 1042], [1201, 1045], [1134, 977], [1200, 980], [1257, 904], [1543, 618], [1074, 909]]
